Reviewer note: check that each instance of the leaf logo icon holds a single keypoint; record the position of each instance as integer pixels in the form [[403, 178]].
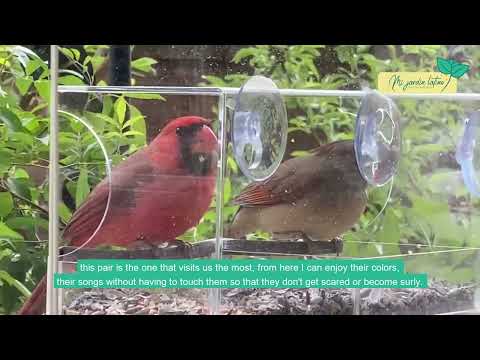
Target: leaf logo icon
[[452, 68], [458, 70]]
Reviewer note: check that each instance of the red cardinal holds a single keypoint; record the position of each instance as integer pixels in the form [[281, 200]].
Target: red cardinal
[[157, 194]]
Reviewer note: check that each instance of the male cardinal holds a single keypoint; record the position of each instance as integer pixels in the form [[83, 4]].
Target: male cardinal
[[157, 194], [314, 197]]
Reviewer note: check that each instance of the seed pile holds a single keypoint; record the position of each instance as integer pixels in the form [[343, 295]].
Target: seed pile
[[440, 297]]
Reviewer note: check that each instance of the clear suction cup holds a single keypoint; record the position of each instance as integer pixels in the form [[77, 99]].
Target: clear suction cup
[[108, 170], [377, 138], [260, 127], [468, 153]]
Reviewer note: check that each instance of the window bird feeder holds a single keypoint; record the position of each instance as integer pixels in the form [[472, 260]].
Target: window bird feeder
[[258, 134]]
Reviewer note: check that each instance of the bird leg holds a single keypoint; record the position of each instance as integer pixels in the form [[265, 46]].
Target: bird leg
[[140, 244], [285, 236], [295, 236], [186, 246], [338, 244], [309, 241]]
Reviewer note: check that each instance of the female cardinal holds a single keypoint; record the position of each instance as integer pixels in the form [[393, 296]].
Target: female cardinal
[[315, 197], [157, 194]]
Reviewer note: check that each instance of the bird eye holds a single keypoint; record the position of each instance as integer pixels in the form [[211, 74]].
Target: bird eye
[[181, 131]]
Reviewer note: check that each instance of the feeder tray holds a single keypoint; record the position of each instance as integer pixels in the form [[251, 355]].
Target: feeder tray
[[206, 249]]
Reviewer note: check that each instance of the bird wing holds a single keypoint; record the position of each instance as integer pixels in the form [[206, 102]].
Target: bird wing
[[290, 182], [135, 181], [135, 171]]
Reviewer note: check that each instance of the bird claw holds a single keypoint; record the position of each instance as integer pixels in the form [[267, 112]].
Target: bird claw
[[337, 245], [141, 245], [305, 238], [187, 247]]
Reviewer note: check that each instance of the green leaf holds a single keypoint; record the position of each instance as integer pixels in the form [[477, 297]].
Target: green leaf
[[137, 122], [5, 160], [71, 72], [96, 118], [64, 212], [444, 66], [96, 121], [133, 133], [411, 49], [76, 54], [133, 121], [458, 70], [11, 120], [145, 96], [232, 164], [97, 62], [23, 84], [27, 223], [120, 109], [69, 80], [143, 64], [227, 191], [20, 187], [33, 65], [43, 88], [39, 107], [107, 105], [67, 52], [389, 232], [7, 233], [23, 137], [345, 53], [299, 153], [71, 53], [244, 53], [15, 283], [22, 49], [21, 174], [6, 203], [83, 188], [87, 60]]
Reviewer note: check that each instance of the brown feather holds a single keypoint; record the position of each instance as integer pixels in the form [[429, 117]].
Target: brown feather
[[292, 179], [320, 195]]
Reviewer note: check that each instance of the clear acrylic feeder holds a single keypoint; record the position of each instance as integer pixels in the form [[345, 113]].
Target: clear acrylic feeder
[[422, 203], [87, 119], [422, 206]]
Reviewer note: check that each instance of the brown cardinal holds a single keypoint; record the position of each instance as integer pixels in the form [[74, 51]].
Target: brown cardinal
[[157, 194], [314, 197]]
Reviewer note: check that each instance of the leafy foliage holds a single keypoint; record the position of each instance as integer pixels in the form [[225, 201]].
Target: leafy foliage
[[24, 153]]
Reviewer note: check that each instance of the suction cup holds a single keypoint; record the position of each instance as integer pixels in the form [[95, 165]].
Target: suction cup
[[259, 128], [377, 138], [108, 170], [468, 153]]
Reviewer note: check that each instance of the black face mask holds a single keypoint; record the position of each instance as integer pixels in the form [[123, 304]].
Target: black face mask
[[198, 164]]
